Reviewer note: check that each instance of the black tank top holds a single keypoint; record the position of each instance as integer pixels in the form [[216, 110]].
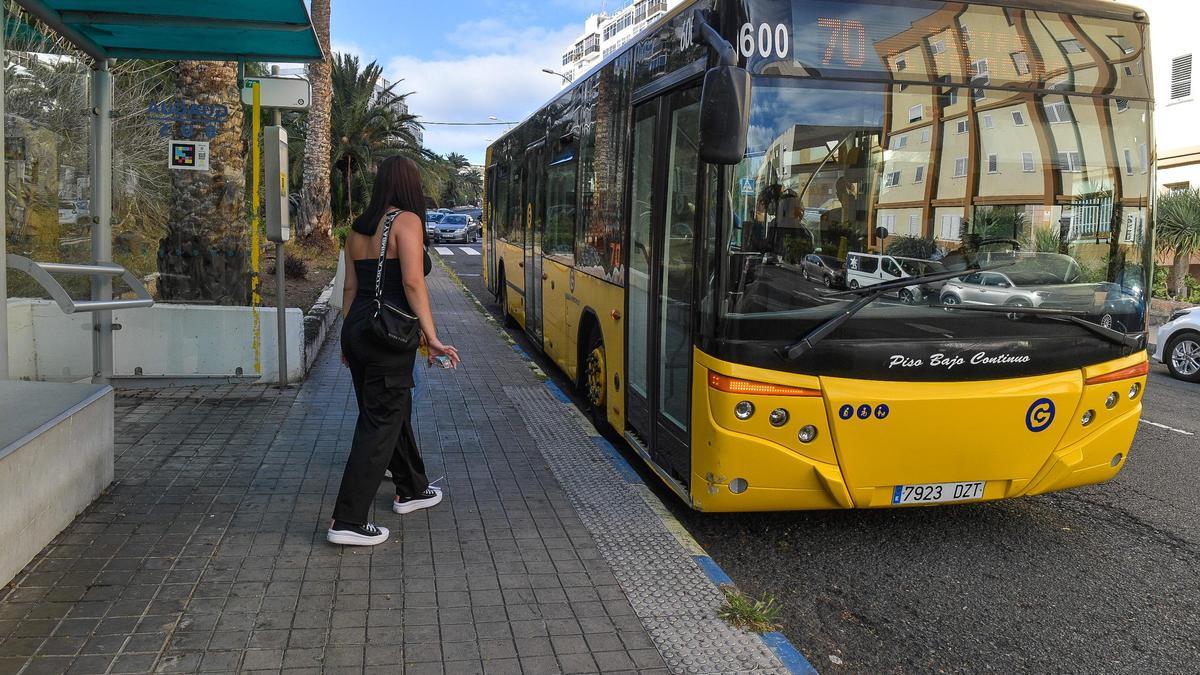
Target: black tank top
[[393, 282]]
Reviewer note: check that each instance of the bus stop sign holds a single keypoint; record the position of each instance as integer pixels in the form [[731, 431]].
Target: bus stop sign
[[284, 93]]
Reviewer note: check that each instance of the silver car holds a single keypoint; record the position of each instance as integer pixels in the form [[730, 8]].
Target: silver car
[[1011, 289], [457, 227]]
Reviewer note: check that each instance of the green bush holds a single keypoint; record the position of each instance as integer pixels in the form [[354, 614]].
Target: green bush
[[1159, 287], [1193, 288], [341, 232], [913, 247]]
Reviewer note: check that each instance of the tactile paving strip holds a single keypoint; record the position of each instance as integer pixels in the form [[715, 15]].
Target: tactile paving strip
[[671, 595]]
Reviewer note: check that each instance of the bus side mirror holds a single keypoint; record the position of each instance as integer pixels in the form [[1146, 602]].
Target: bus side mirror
[[724, 115]]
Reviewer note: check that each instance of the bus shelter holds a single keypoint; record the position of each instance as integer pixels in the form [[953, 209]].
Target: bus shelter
[[56, 438], [168, 30]]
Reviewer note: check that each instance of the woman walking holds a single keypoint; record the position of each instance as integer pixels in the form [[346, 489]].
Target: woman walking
[[385, 264]]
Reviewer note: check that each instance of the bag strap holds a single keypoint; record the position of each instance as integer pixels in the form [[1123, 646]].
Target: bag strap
[[387, 231]]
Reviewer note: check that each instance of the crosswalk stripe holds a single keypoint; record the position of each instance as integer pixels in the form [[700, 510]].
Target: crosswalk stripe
[[469, 251], [443, 250]]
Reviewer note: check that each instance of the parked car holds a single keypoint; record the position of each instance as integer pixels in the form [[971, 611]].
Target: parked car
[[68, 213], [868, 269], [457, 227], [1178, 344], [432, 218], [828, 269], [1013, 288]]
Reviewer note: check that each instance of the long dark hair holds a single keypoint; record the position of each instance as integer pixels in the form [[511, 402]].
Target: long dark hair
[[397, 186]]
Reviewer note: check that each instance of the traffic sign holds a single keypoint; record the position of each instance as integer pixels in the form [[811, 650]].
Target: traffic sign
[[748, 186]]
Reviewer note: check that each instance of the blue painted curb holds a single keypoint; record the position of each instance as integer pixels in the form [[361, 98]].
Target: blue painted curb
[[558, 393], [791, 657], [622, 466], [713, 570]]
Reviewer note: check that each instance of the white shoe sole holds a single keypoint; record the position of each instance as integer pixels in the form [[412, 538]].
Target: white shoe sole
[[345, 538], [409, 507]]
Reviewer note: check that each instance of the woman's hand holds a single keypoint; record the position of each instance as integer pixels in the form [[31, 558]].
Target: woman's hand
[[436, 349]]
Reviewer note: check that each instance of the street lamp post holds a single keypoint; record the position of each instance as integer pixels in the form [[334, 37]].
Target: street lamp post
[[566, 78]]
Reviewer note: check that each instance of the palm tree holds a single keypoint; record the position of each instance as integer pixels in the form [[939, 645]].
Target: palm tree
[[1178, 232], [203, 257], [463, 184], [315, 214], [368, 123]]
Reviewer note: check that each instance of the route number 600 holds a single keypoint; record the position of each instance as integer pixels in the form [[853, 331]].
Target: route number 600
[[764, 40]]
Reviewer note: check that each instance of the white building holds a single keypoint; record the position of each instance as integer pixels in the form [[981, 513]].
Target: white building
[[1173, 45], [605, 32]]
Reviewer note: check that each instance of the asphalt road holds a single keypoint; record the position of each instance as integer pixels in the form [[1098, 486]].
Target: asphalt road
[[1100, 579]]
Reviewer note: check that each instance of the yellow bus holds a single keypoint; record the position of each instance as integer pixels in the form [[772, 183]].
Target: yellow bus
[[821, 254]]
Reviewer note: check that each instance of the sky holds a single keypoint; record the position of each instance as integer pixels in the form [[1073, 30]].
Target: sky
[[464, 60]]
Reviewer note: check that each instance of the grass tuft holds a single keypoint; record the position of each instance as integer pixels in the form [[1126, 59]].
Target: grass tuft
[[742, 611]]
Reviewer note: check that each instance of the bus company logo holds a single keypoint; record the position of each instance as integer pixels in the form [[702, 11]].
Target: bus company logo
[[1040, 415]]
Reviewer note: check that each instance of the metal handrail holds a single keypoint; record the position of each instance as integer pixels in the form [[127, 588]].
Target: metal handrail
[[43, 274]]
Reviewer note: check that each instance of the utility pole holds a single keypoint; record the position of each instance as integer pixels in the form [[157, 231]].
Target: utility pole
[[280, 279]]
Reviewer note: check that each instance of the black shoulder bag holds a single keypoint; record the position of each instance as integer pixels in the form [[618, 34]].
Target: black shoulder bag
[[392, 326]]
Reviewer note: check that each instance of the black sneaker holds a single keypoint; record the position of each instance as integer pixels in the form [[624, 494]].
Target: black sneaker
[[430, 497], [347, 534]]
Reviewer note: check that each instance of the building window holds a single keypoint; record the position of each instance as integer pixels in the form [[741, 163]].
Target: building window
[[915, 113], [925, 135], [949, 96], [1144, 155], [1178, 187], [1134, 70], [978, 94], [1008, 16], [950, 227], [988, 122], [899, 142], [937, 47], [888, 221], [1058, 112], [960, 167], [1069, 162], [1128, 162], [920, 177], [962, 126], [901, 64], [966, 33], [1181, 77], [1071, 46], [914, 225], [903, 86], [1122, 42], [891, 179], [993, 164], [1122, 105], [1021, 62], [1027, 164], [1018, 118]]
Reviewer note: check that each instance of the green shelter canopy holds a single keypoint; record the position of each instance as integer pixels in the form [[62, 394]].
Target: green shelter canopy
[[200, 30]]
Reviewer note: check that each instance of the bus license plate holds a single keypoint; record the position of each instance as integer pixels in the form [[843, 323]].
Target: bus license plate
[[934, 493]]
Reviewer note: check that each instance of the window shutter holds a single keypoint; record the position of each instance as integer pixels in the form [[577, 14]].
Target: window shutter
[[1181, 77]]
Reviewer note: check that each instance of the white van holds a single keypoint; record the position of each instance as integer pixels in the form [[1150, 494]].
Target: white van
[[868, 269]]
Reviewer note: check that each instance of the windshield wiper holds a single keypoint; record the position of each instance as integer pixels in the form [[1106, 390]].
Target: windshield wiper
[[872, 293], [1069, 316]]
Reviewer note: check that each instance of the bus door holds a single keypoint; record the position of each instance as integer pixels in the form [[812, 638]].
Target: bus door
[[663, 225], [533, 197]]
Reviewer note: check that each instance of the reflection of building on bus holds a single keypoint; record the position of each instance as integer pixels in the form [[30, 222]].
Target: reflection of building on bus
[[1021, 163]]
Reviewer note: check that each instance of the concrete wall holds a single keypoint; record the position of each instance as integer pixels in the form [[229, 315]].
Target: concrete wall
[[162, 341], [51, 477]]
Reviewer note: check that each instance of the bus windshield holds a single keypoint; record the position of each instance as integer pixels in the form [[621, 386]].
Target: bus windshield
[[1050, 188]]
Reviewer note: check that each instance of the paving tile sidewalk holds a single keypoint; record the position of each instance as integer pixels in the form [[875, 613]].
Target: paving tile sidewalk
[[208, 552]]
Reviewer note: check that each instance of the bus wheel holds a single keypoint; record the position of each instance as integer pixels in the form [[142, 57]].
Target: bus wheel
[[595, 379], [505, 318]]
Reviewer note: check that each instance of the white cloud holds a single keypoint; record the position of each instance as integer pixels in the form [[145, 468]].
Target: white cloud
[[499, 74]]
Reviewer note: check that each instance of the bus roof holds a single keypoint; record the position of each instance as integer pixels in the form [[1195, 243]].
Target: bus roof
[[1096, 8]]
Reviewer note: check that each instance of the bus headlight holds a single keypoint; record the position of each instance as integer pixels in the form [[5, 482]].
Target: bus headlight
[[744, 410], [1088, 417], [808, 433], [1111, 401], [779, 417], [1134, 390]]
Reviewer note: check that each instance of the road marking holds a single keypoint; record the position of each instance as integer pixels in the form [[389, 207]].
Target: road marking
[[469, 251], [443, 250], [1163, 426]]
